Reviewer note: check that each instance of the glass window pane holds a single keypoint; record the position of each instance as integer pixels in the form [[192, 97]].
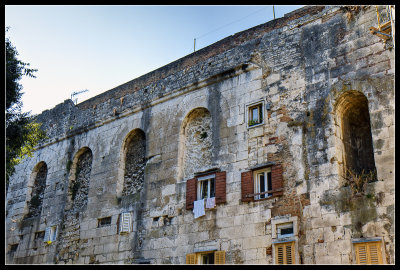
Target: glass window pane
[[269, 182], [212, 187], [262, 184], [204, 189], [286, 231], [255, 114], [208, 258]]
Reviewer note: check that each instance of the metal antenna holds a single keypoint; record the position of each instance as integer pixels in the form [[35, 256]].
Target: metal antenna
[[273, 10], [77, 93]]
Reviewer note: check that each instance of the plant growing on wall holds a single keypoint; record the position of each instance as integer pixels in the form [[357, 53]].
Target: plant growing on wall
[[253, 122], [358, 181]]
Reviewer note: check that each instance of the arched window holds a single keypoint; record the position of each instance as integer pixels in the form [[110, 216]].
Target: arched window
[[134, 162], [354, 130], [39, 176]]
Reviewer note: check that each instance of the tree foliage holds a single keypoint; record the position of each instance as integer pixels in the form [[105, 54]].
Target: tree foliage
[[22, 132]]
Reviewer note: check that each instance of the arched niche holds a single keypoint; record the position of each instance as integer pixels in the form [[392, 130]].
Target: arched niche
[[195, 143], [353, 131], [36, 188], [132, 163], [79, 179]]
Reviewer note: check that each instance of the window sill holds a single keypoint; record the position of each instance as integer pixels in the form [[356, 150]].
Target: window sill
[[255, 125], [264, 199]]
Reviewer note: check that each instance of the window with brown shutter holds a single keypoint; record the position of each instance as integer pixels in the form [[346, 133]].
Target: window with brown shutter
[[191, 193], [202, 187], [368, 252], [262, 182], [220, 187], [277, 179], [247, 186]]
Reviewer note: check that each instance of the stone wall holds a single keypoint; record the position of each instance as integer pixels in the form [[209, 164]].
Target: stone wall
[[190, 118]]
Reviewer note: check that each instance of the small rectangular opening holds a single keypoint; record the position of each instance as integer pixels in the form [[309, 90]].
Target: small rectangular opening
[[285, 230], [255, 115], [13, 247], [39, 235], [104, 222]]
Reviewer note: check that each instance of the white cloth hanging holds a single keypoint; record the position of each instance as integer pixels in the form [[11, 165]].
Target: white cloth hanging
[[198, 208], [210, 203]]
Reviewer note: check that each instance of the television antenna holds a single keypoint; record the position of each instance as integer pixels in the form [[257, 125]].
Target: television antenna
[[77, 93]]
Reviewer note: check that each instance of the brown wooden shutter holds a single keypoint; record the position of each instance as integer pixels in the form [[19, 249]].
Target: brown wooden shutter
[[247, 186], [277, 179], [219, 257], [191, 193], [220, 187], [191, 258]]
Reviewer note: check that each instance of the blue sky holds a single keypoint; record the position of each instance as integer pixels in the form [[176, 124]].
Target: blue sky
[[101, 47]]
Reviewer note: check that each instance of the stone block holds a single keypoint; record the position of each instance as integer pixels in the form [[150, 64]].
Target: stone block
[[98, 249], [328, 260]]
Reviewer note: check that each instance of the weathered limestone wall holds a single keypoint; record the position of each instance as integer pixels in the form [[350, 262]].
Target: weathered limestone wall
[[191, 115]]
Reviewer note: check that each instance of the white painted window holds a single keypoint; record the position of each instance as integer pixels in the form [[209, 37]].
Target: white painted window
[[50, 234], [206, 187], [262, 183], [125, 224]]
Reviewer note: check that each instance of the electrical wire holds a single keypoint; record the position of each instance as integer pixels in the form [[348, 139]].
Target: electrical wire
[[231, 23]]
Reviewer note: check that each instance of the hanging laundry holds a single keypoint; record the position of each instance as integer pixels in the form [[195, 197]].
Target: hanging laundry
[[210, 203], [198, 208]]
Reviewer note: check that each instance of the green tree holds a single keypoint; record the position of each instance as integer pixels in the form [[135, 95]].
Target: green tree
[[22, 132]]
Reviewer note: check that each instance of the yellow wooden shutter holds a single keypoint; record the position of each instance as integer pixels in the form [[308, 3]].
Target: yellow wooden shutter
[[279, 254], [361, 253], [219, 257], [368, 253], [191, 258], [289, 253], [285, 253]]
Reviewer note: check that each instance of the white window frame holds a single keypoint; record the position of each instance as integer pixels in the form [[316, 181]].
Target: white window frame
[[209, 178], [279, 227], [50, 234], [257, 188], [261, 105], [125, 223]]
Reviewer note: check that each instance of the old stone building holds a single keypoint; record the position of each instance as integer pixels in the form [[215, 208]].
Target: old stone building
[[274, 145]]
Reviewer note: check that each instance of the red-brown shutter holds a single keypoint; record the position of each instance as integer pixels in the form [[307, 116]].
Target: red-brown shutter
[[247, 186], [191, 193], [277, 179], [220, 187]]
